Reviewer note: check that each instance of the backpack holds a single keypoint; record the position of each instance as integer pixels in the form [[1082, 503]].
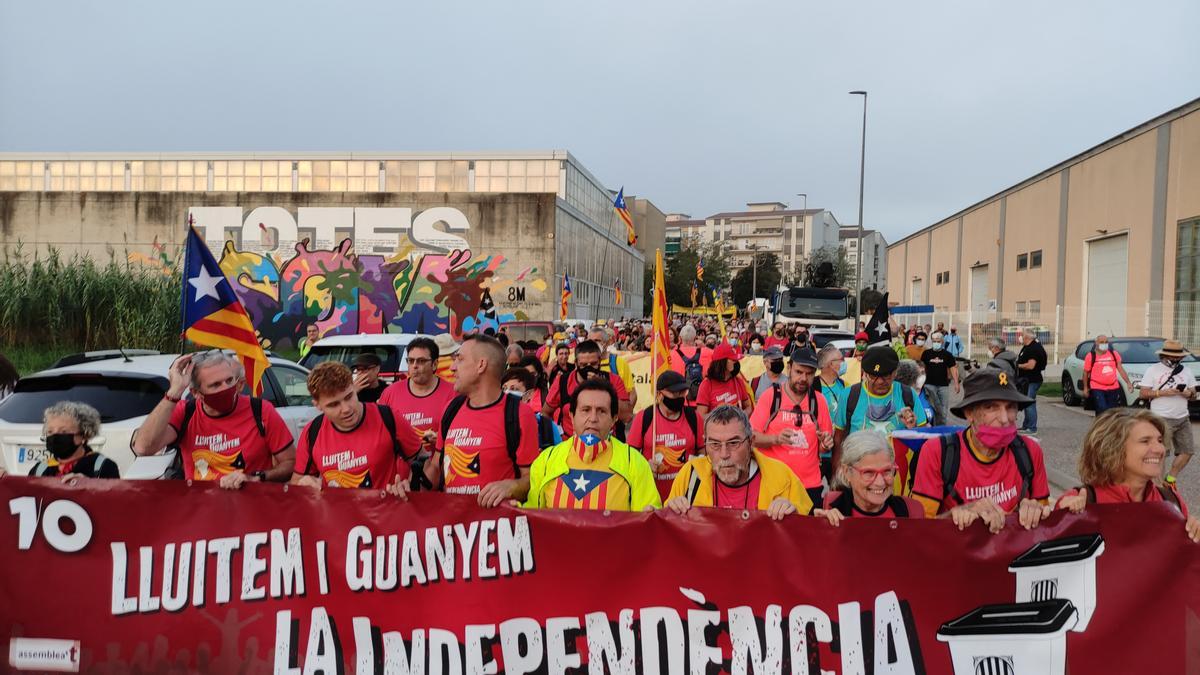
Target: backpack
[[175, 471], [1169, 495], [512, 423], [385, 413], [689, 414], [906, 394], [693, 372], [951, 457], [777, 403], [548, 434]]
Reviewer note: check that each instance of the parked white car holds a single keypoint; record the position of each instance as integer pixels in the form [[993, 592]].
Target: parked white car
[[124, 389], [391, 348]]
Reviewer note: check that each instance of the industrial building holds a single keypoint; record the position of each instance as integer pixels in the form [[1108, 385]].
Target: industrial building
[[1107, 241], [356, 242]]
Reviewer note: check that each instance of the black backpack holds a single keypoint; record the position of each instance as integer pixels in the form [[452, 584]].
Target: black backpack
[[693, 372], [906, 393], [777, 403], [512, 423], [951, 457], [175, 471], [844, 502], [385, 413], [1168, 495], [689, 414]]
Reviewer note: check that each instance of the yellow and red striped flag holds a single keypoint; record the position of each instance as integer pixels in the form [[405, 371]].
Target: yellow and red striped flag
[[212, 314], [619, 205], [617, 292], [661, 342], [566, 297]]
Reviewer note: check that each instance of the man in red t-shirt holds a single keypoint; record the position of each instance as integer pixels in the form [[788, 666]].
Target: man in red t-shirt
[[352, 444], [998, 471], [668, 433], [778, 337], [423, 396], [222, 434], [587, 365], [793, 425], [723, 383], [473, 453]]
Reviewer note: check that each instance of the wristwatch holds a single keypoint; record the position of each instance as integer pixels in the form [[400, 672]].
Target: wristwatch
[[260, 475]]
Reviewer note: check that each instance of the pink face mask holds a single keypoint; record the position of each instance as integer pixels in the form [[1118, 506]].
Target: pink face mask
[[996, 438]]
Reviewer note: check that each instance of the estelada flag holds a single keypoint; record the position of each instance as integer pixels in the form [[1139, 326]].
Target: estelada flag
[[661, 342], [212, 314], [617, 292], [566, 297], [878, 331], [623, 213]]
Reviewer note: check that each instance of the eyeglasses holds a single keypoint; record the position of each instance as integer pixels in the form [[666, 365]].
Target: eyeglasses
[[870, 475], [422, 361], [717, 446]]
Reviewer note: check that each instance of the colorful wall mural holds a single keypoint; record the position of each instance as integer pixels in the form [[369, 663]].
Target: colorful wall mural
[[419, 287]]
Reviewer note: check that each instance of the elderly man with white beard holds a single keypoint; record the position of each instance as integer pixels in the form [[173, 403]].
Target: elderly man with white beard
[[733, 475]]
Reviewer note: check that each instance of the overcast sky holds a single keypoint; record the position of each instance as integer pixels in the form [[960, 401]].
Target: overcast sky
[[698, 106]]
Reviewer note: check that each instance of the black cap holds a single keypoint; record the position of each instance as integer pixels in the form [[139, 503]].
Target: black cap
[[880, 361], [671, 381], [804, 357], [367, 360]]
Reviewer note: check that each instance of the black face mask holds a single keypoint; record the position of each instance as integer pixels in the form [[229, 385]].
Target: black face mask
[[777, 367], [588, 372], [674, 404], [61, 446]]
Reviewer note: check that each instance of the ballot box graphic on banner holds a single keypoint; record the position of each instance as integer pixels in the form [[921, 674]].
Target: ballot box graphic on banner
[[1056, 594]]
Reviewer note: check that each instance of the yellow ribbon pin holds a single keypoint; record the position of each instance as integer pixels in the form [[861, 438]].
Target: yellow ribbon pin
[[1003, 379]]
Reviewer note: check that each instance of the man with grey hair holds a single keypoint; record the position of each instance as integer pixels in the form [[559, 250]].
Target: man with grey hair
[[1002, 358], [222, 434], [941, 370], [513, 355], [689, 359], [733, 475], [1030, 364]]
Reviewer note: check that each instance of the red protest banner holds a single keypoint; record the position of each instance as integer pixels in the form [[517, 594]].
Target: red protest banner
[[120, 576]]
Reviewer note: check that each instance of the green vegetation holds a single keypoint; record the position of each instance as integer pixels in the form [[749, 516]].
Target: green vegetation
[[51, 306]]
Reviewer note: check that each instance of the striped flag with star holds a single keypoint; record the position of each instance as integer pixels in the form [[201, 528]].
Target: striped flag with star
[[699, 270], [623, 213], [212, 314], [660, 349], [566, 297]]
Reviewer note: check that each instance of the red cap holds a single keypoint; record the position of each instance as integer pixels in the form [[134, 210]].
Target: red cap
[[862, 335], [724, 351]]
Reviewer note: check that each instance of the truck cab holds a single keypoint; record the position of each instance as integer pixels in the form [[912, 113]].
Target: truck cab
[[816, 307]]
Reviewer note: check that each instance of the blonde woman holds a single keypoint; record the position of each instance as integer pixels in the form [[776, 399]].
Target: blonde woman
[[1122, 459]]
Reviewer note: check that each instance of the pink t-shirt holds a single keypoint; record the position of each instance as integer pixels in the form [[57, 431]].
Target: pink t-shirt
[[804, 458]]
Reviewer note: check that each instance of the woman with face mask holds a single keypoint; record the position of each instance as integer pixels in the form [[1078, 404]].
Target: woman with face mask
[[775, 372], [723, 383], [990, 471], [67, 427]]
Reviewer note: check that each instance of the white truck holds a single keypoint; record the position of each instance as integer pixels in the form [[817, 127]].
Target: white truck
[[816, 307]]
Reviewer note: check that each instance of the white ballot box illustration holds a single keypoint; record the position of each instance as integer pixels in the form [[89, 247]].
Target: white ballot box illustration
[[1061, 568], [1026, 638]]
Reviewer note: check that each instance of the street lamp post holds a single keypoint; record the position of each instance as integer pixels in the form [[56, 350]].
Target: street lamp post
[[804, 222], [862, 167]]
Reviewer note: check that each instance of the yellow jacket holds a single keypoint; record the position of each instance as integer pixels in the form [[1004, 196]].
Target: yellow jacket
[[695, 481], [625, 462]]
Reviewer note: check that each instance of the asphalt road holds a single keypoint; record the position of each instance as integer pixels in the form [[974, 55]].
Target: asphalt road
[[1060, 433]]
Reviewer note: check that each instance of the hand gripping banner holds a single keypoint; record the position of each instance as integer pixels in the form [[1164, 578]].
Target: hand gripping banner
[[124, 576]]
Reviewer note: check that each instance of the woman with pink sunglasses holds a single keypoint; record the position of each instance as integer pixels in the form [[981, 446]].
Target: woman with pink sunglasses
[[866, 474]]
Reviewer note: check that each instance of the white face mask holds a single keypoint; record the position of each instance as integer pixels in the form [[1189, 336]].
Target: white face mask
[[1102, 346], [920, 342], [935, 346], [920, 381]]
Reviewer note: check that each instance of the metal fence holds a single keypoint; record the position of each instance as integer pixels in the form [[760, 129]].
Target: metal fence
[[1061, 328]]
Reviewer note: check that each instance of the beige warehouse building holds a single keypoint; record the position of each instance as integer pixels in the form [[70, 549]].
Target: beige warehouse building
[[1107, 241]]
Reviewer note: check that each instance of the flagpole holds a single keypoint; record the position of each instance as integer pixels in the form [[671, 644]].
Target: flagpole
[[603, 269], [183, 285]]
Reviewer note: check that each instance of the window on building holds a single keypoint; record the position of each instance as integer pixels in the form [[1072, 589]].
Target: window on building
[[946, 274], [1187, 283], [1035, 308], [1021, 308], [1022, 261], [1035, 259]]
